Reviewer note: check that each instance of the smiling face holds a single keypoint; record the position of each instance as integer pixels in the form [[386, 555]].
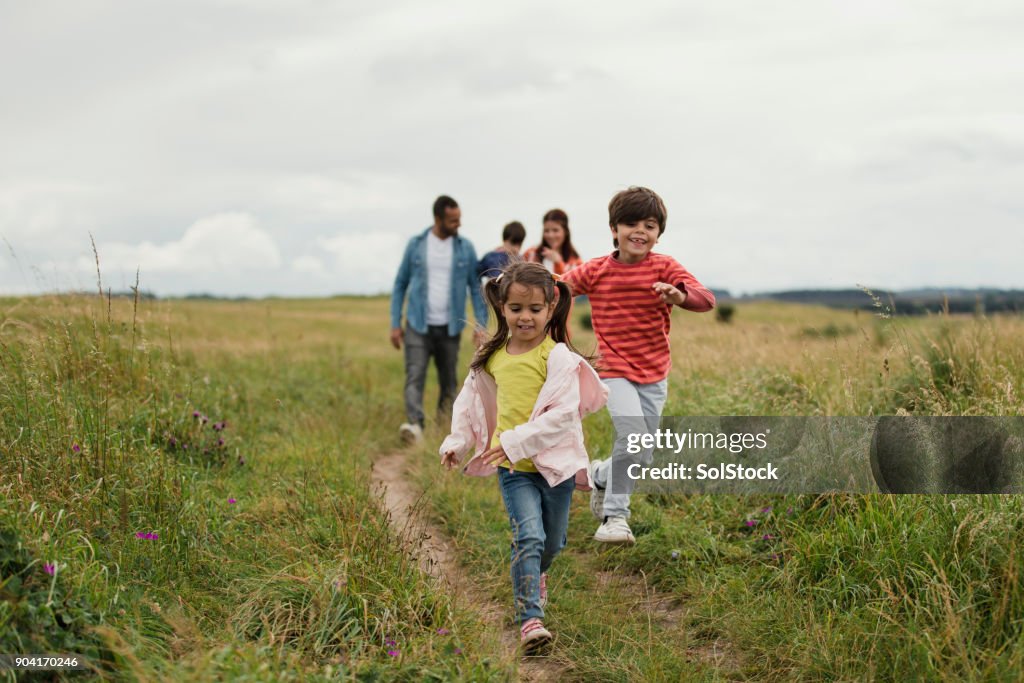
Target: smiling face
[[527, 315], [636, 239], [554, 235]]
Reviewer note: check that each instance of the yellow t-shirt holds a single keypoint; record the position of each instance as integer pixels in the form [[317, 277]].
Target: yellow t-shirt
[[519, 379]]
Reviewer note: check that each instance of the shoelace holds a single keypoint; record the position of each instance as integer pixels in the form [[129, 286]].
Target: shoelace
[[531, 626]]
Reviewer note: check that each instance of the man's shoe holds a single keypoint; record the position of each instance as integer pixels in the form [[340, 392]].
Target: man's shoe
[[543, 590], [615, 530], [411, 433], [533, 637], [596, 494]]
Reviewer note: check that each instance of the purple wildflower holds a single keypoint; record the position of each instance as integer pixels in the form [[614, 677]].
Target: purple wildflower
[[390, 642], [767, 537], [231, 501], [220, 442], [751, 522], [766, 510], [789, 511], [75, 448], [775, 556], [393, 653], [172, 442], [458, 650], [49, 568], [443, 631], [139, 534], [217, 426], [147, 536], [196, 413], [203, 419]]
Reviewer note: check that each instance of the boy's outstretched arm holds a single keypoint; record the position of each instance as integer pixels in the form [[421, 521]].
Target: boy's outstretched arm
[[697, 297]]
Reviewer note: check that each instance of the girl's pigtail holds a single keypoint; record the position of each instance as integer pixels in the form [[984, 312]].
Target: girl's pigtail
[[558, 326], [492, 295]]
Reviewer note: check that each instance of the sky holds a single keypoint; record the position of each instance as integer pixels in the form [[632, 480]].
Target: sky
[[292, 147]]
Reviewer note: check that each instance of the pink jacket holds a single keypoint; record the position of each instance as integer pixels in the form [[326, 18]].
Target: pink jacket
[[553, 437]]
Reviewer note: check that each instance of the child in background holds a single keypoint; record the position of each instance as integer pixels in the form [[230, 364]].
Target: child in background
[[521, 411], [512, 237], [632, 292]]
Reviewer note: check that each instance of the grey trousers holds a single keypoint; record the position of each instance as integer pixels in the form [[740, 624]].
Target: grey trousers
[[635, 408], [418, 350]]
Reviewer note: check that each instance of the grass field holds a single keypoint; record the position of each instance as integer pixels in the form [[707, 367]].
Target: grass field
[[186, 495]]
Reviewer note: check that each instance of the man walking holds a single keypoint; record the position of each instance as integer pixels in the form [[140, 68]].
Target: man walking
[[437, 269]]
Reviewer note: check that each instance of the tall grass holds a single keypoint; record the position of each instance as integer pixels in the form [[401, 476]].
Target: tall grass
[[183, 501]]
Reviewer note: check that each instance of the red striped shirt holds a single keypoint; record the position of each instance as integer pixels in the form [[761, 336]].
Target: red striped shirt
[[630, 320]]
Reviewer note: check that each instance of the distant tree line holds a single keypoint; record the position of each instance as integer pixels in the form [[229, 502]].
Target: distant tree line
[[911, 302]]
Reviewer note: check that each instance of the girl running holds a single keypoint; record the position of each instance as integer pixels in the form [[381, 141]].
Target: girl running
[[520, 410]]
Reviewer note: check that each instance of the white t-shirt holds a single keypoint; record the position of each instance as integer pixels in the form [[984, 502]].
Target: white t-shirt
[[439, 278]]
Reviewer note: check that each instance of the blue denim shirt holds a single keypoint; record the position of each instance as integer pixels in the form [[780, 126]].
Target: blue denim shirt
[[412, 277]]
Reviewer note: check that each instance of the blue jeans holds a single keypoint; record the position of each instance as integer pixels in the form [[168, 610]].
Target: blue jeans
[[539, 515], [635, 409]]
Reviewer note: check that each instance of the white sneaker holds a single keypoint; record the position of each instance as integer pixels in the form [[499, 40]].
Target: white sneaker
[[411, 433], [615, 530], [596, 494], [534, 639]]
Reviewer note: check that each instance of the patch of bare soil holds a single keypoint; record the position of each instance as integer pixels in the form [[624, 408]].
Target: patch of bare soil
[[436, 555]]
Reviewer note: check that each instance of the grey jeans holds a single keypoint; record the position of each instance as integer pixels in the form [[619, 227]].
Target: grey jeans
[[418, 350], [635, 409]]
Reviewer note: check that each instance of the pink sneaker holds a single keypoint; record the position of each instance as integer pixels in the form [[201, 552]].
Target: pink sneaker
[[533, 637]]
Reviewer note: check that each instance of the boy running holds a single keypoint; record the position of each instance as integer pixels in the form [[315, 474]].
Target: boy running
[[632, 291]]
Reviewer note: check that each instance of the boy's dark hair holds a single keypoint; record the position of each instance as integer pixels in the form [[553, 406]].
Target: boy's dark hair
[[634, 205], [527, 274], [443, 202], [514, 232]]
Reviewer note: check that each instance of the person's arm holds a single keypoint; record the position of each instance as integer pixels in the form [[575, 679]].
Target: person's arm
[[698, 297], [578, 279], [479, 307], [400, 287], [695, 296], [483, 265], [462, 437], [548, 428]]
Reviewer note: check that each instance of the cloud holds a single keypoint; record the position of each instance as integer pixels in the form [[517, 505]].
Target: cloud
[[308, 264], [333, 195], [367, 260], [223, 242]]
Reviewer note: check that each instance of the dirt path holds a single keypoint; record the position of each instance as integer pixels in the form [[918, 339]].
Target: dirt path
[[436, 555]]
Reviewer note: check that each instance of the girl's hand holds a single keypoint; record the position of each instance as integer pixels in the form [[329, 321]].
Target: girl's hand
[[449, 460], [669, 293], [497, 457]]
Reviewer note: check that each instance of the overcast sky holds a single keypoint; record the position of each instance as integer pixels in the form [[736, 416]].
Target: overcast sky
[[253, 147]]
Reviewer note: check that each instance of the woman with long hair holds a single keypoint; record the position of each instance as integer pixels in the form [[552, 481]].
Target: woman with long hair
[[555, 250]]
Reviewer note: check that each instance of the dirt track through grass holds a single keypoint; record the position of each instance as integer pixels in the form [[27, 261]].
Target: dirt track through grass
[[437, 557]]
